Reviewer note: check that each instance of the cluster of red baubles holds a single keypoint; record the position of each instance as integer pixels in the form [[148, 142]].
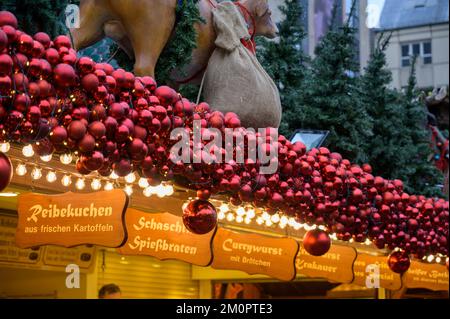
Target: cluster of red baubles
[[118, 122]]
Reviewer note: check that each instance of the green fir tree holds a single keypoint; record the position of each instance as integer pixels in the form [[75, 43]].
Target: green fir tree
[[331, 94], [39, 15], [423, 175], [395, 150], [285, 62]]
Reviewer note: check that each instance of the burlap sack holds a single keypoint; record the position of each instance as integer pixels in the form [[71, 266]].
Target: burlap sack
[[235, 81]]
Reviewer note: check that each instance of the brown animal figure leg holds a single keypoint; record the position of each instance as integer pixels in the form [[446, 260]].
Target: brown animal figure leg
[[148, 25], [93, 15]]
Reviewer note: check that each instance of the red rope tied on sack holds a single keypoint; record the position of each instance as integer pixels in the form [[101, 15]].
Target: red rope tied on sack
[[250, 43], [251, 25]]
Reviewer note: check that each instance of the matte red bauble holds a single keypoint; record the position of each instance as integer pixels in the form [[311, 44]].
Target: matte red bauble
[[97, 129], [122, 168], [200, 217], [317, 242], [6, 171], [399, 262], [76, 130]]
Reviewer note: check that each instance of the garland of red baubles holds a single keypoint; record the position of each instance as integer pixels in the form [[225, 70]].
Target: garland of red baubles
[[118, 122]]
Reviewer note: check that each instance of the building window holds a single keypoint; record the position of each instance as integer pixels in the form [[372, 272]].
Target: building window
[[419, 49]]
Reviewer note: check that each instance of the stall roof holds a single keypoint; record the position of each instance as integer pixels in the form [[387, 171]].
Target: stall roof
[[400, 14]]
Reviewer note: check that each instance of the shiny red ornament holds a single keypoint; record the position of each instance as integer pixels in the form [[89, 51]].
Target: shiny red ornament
[[200, 217], [317, 242], [399, 262], [90, 83], [65, 75], [166, 95], [6, 171]]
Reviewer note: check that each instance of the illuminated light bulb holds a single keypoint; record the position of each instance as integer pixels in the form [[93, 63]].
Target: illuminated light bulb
[[321, 227], [224, 208], [147, 192], [114, 175], [154, 190], [269, 223], [265, 215], [430, 258], [143, 182], [80, 184], [130, 178], [351, 240], [367, 242], [259, 220], [169, 190], [66, 180], [96, 184], [282, 225], [128, 189], [275, 218], [251, 213], [333, 236], [284, 220], [291, 222], [66, 159], [5, 147], [46, 158], [160, 191], [221, 215], [21, 169], [239, 219], [240, 211], [51, 177], [247, 220], [108, 186], [36, 173], [297, 226], [27, 150], [438, 260], [230, 217]]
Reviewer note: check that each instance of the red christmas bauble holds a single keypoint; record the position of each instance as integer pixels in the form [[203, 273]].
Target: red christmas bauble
[[122, 168], [398, 261], [64, 74], [76, 130], [43, 38], [317, 242], [166, 95], [200, 217], [87, 144], [97, 129], [6, 171], [7, 18], [90, 82], [3, 40]]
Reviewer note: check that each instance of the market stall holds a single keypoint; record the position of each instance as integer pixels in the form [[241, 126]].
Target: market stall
[[87, 162]]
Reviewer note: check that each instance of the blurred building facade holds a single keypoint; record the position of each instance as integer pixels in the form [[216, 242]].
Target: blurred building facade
[[418, 27], [317, 19]]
